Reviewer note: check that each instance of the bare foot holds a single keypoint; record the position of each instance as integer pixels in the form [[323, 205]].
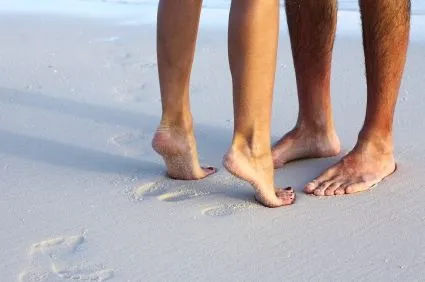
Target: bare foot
[[366, 165], [259, 173], [302, 143], [178, 149]]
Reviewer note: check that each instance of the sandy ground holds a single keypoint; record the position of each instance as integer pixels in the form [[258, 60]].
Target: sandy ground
[[85, 198]]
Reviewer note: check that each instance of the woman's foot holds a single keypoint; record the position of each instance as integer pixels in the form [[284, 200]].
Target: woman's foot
[[177, 146], [258, 171]]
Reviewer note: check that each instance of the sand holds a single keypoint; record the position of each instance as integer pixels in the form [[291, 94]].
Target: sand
[[84, 197]]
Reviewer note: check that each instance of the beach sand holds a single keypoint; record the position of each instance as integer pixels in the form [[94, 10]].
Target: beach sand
[[84, 197]]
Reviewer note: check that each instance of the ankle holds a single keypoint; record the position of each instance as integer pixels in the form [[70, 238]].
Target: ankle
[[381, 142], [316, 127], [176, 124], [251, 148]]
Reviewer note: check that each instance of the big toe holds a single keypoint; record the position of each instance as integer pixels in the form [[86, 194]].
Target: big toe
[[311, 186], [283, 197], [204, 172], [209, 170], [319, 181], [358, 187], [287, 193], [286, 196]]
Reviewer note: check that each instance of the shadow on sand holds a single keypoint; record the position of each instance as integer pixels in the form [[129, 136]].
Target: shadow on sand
[[212, 142]]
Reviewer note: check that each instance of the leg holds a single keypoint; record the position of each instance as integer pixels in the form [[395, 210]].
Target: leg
[[176, 37], [253, 36], [312, 26], [386, 25]]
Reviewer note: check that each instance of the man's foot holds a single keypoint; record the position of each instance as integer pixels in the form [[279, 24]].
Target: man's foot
[[366, 165], [301, 143], [258, 171], [178, 149]]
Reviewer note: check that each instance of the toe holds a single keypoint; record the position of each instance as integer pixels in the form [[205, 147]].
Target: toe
[[286, 196], [313, 185], [358, 187], [287, 193], [283, 198], [340, 190], [330, 191], [209, 170], [320, 191]]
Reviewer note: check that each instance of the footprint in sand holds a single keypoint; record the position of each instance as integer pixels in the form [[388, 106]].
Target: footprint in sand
[[131, 62], [60, 259], [227, 209], [107, 39], [132, 143], [134, 93], [145, 190], [182, 195], [149, 66], [162, 190]]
